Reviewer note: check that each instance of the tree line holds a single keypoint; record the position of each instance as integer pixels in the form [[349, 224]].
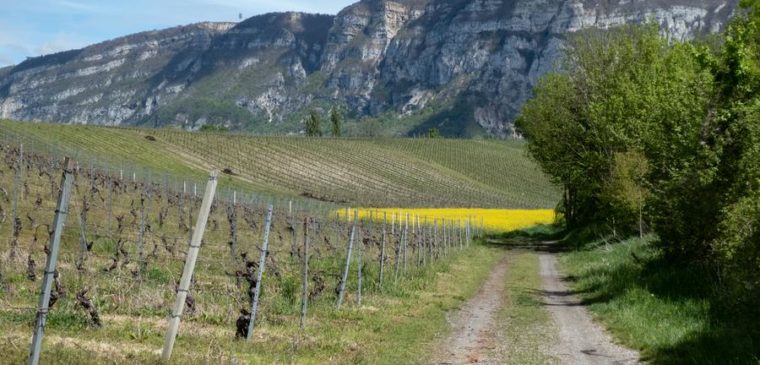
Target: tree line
[[645, 133], [314, 123]]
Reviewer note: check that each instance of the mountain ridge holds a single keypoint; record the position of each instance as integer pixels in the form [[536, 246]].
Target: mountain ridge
[[464, 67]]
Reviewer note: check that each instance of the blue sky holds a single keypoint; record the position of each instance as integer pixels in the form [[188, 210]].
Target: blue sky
[[37, 27]]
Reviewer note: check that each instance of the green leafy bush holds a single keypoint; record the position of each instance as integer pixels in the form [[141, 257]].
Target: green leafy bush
[[638, 128]]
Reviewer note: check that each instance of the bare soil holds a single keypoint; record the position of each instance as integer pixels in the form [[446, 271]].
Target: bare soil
[[474, 337], [474, 332]]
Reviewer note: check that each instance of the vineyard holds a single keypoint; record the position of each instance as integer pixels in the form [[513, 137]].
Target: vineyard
[[284, 273], [125, 241], [361, 172]]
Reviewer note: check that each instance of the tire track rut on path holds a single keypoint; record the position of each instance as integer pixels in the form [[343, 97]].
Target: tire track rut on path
[[474, 333], [579, 340]]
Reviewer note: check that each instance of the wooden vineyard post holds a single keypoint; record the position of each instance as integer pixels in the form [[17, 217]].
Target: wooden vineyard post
[[406, 241], [382, 249], [461, 234], [448, 228], [342, 287], [109, 205], [446, 238], [15, 221], [50, 267], [305, 290], [443, 238], [469, 230], [359, 254], [187, 273], [396, 247], [455, 234], [262, 265], [425, 246], [465, 231], [417, 239], [450, 235], [144, 198], [435, 238], [232, 220], [292, 225]]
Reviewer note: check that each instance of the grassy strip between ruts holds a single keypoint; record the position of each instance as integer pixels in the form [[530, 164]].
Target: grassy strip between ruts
[[525, 324], [668, 312], [400, 326]]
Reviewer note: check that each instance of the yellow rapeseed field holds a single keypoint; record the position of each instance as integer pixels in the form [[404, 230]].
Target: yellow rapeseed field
[[501, 220]]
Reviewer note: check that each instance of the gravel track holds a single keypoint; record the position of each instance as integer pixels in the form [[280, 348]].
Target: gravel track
[[474, 337], [474, 333], [579, 340]]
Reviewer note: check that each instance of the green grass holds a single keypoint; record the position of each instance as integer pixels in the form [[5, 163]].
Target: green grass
[[525, 322], [368, 172], [399, 326], [667, 311]]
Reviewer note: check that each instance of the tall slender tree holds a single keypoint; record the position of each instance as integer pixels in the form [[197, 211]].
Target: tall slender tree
[[313, 125], [336, 119]]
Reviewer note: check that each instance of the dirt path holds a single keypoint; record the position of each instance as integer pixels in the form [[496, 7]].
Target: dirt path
[[579, 340], [474, 332]]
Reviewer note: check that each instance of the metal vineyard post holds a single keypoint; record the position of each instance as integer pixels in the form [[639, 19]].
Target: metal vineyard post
[[262, 265], [187, 274], [50, 267]]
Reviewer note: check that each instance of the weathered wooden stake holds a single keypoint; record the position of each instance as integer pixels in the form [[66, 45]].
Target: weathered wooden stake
[[14, 205], [425, 244], [360, 253], [305, 290], [435, 238], [405, 241], [418, 235], [50, 267], [187, 274], [292, 224], [382, 249], [109, 203], [461, 234], [232, 220], [144, 198]]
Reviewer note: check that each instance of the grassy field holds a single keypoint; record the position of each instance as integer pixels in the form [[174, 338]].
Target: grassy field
[[399, 326], [670, 312], [365, 172]]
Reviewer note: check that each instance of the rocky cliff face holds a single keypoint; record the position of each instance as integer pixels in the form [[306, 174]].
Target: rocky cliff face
[[459, 65]]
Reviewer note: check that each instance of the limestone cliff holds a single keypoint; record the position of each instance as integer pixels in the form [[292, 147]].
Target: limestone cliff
[[459, 65]]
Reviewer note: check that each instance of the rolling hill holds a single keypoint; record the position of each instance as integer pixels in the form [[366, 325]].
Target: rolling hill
[[368, 172]]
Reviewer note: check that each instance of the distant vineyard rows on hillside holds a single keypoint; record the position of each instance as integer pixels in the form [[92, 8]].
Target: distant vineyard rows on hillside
[[365, 172]]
